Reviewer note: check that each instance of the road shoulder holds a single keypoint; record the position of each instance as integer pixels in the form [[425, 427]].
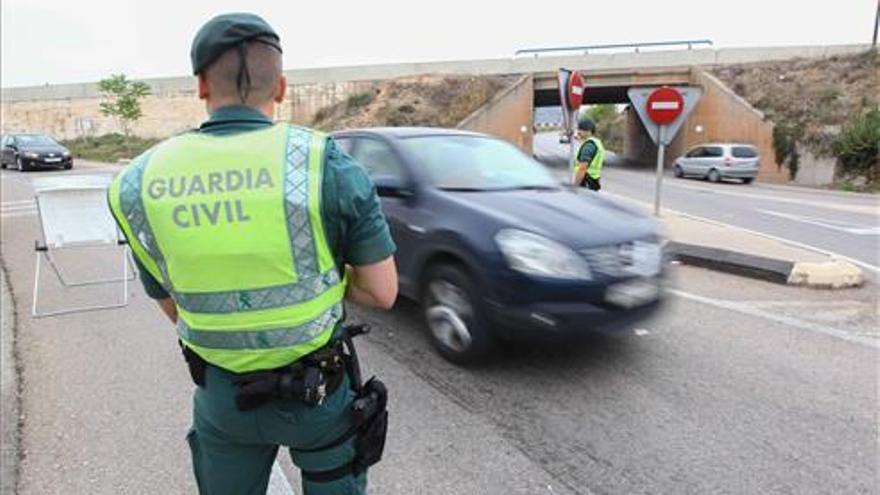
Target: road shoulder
[[9, 390]]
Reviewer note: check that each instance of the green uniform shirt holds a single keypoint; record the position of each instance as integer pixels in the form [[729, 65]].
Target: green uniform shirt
[[355, 227]]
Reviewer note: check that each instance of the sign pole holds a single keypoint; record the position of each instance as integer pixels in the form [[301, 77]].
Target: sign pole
[[660, 152], [572, 152]]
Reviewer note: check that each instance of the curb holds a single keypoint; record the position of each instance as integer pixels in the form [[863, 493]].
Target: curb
[[833, 274]]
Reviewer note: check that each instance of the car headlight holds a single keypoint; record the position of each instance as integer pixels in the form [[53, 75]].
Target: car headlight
[[537, 255], [65, 154], [31, 154]]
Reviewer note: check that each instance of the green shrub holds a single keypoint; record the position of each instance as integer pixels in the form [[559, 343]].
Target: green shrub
[[858, 143], [786, 136], [109, 147], [359, 100]]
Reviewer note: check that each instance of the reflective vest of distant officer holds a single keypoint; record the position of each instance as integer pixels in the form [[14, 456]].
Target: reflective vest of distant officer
[[590, 156], [250, 235]]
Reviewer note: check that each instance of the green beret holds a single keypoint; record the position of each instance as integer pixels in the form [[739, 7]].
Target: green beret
[[227, 31]]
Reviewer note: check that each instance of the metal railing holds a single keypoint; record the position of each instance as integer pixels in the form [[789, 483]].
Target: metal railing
[[635, 46]]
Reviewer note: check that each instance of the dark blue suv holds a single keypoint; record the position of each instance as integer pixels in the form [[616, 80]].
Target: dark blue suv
[[494, 247]]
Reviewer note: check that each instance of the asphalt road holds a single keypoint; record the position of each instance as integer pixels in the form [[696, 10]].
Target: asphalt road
[[738, 386], [846, 224]]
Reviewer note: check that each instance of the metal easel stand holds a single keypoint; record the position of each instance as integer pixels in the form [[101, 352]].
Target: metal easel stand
[[42, 250]]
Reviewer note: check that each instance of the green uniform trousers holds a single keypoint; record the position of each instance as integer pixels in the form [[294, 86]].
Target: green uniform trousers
[[233, 451]]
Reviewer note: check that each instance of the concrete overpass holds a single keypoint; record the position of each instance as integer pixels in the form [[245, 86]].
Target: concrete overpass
[[68, 110]]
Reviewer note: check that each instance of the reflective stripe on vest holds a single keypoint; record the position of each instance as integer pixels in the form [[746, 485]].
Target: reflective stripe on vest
[[594, 168], [203, 214]]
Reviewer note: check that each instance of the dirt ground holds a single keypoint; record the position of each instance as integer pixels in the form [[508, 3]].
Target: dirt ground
[[438, 101], [819, 93]]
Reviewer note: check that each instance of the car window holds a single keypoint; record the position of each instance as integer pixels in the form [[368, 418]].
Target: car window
[[744, 152], [476, 163], [344, 143], [378, 158], [695, 153], [35, 140], [714, 152]]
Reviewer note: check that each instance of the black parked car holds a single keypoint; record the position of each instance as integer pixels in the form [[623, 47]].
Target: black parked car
[[495, 248], [32, 151]]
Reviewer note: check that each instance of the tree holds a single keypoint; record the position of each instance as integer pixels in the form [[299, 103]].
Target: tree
[[123, 97]]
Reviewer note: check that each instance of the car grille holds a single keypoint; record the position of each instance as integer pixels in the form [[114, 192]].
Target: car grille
[[640, 258]]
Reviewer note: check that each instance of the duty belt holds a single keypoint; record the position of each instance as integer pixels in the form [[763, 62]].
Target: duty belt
[[310, 379]]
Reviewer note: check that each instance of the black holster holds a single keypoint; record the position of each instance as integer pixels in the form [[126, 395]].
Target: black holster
[[369, 417]]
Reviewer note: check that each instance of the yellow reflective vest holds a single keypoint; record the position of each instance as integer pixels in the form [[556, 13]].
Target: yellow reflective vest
[[231, 227]]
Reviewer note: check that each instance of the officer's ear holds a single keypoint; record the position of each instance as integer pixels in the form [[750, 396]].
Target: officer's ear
[[280, 89], [204, 92]]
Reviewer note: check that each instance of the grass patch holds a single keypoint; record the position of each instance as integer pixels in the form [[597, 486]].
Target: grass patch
[[109, 147]]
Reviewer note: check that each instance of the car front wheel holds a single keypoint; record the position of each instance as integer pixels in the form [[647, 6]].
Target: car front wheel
[[748, 180], [714, 176], [21, 165], [457, 328], [678, 171]]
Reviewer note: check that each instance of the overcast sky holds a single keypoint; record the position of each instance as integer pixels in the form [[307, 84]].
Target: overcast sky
[[84, 40]]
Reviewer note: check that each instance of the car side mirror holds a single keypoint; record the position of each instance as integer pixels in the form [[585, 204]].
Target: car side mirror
[[388, 186]]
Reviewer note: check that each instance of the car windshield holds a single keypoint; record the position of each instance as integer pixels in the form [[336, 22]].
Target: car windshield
[[473, 163], [35, 140]]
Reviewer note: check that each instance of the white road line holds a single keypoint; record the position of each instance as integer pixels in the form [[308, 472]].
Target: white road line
[[750, 310], [849, 228], [6, 204], [18, 214], [278, 482]]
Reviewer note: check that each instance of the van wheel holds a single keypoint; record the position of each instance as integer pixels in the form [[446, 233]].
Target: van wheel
[[714, 176], [678, 171], [457, 327]]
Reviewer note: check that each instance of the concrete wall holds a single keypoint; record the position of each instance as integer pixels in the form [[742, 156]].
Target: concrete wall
[[307, 98], [815, 170], [508, 115]]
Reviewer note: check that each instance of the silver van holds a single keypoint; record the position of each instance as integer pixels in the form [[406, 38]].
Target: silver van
[[716, 161]]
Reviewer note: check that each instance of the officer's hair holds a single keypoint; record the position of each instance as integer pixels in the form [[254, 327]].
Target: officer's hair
[[264, 68]]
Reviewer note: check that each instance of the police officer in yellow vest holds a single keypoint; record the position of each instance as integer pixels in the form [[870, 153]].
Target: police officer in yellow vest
[[250, 234], [590, 156]]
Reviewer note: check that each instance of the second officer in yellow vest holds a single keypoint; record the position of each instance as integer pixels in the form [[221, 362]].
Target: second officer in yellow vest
[[250, 235], [590, 156]]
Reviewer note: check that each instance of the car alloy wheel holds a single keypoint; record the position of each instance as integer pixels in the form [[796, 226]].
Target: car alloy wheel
[[678, 171], [454, 321], [447, 314], [21, 166], [714, 176]]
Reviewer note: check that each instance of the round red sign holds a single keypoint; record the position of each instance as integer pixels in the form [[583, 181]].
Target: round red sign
[[664, 105], [575, 90]]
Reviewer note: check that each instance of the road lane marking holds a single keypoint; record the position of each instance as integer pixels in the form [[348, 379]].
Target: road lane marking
[[278, 482], [849, 228], [748, 309]]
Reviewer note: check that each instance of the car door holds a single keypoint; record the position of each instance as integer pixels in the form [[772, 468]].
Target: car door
[[8, 154], [383, 164], [713, 157], [690, 161]]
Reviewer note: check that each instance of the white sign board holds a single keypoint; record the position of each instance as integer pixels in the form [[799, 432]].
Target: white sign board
[[74, 212], [639, 98]]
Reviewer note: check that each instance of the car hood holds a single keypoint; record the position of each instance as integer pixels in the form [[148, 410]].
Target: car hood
[[578, 219]]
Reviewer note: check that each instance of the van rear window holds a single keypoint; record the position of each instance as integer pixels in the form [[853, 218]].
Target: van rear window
[[744, 152]]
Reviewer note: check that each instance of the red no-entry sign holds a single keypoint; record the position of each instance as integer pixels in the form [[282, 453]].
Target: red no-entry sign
[[575, 90], [664, 105]]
